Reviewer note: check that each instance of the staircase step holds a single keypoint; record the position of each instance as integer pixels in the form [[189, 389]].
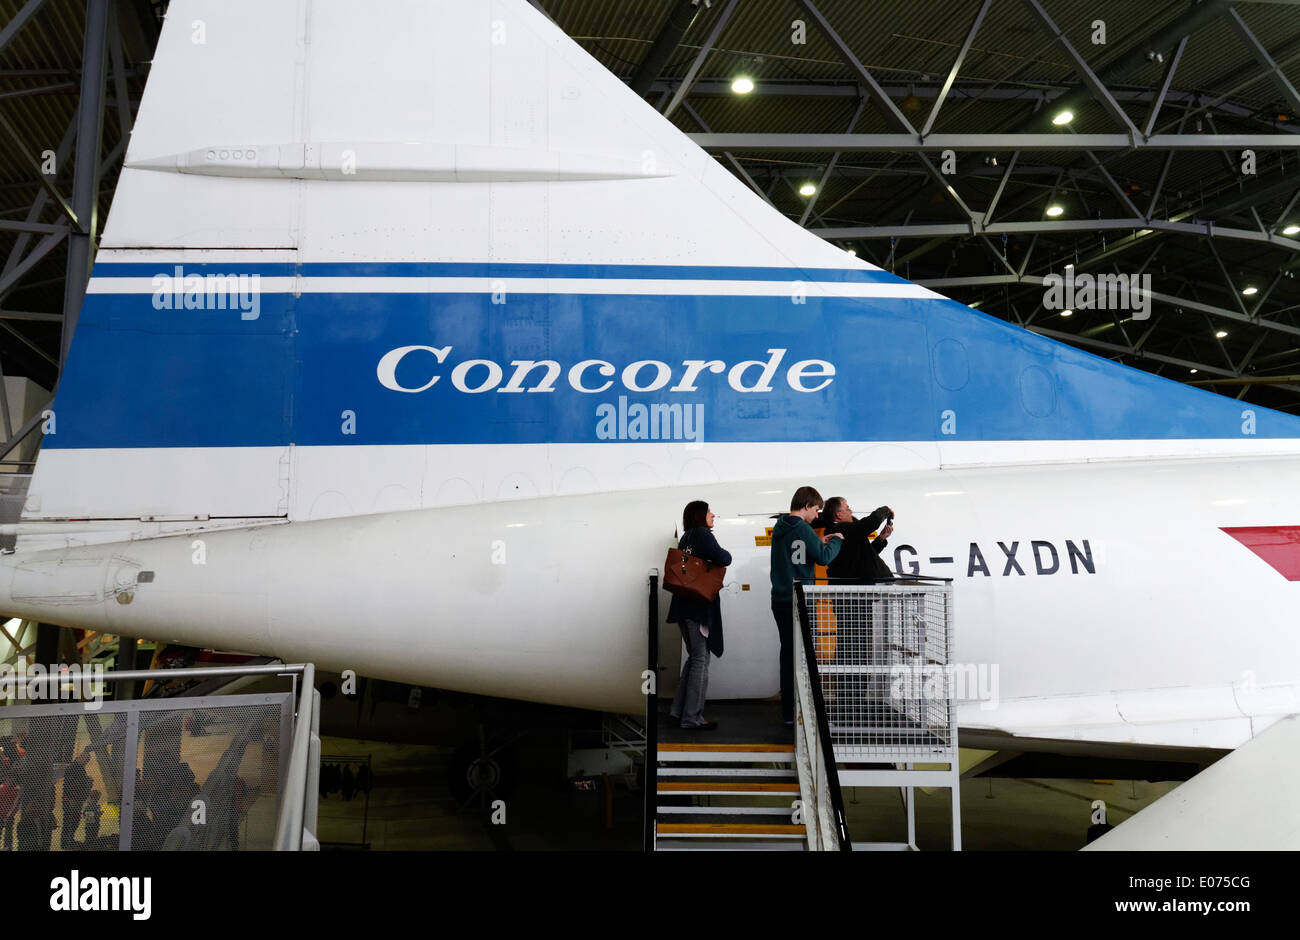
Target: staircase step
[[725, 845], [729, 787], [751, 810], [728, 772], [726, 752], [731, 830]]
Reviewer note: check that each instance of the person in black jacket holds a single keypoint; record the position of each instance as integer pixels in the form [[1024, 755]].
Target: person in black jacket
[[859, 559], [699, 621]]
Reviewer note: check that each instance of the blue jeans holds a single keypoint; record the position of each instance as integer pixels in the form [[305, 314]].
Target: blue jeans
[[692, 688]]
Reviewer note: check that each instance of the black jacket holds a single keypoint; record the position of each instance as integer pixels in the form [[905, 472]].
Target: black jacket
[[702, 544], [860, 558]]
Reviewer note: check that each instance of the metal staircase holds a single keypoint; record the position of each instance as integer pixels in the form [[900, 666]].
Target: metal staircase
[[728, 794], [874, 699]]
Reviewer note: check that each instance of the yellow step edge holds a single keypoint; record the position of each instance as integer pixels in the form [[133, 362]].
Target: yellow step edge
[[730, 748], [673, 786], [754, 829]]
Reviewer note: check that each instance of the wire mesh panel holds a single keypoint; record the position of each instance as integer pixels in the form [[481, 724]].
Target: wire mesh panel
[[203, 777], [61, 786], [207, 779], [882, 662]]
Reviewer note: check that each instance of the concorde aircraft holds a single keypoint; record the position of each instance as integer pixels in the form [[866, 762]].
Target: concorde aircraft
[[413, 329]]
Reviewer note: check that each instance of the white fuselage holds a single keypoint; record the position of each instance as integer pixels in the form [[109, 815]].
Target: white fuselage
[[1103, 597]]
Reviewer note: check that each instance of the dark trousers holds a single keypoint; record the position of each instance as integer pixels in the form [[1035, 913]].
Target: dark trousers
[[783, 612], [71, 820]]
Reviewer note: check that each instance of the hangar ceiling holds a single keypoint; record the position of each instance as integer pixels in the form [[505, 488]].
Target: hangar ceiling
[[926, 128], [863, 99]]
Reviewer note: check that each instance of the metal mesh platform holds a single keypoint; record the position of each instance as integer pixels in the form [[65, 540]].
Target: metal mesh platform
[[882, 664]]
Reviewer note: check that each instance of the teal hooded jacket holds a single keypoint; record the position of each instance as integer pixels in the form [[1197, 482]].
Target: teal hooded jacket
[[788, 532]]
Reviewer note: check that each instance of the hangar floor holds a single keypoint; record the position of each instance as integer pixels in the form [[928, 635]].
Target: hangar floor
[[411, 808]]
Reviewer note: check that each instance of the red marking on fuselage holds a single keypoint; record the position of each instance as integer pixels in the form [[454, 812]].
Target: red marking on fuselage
[[1278, 545]]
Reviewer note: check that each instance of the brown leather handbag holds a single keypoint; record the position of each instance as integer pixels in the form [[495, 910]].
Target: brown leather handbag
[[689, 576]]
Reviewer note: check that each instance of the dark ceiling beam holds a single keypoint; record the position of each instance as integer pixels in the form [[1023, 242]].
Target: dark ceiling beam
[[1053, 226], [1282, 216], [912, 143], [882, 102], [963, 91], [680, 19], [43, 90], [1128, 351], [36, 168], [1170, 67], [1266, 189], [39, 228], [1095, 84], [890, 168], [994, 280], [27, 315], [956, 67], [693, 72], [1159, 44], [1265, 60], [21, 19], [43, 248], [830, 167], [1002, 185], [29, 344]]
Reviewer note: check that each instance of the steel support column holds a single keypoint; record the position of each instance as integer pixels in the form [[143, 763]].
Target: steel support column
[[85, 191]]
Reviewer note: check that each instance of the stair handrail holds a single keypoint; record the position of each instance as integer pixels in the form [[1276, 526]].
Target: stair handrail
[[827, 826], [651, 685]]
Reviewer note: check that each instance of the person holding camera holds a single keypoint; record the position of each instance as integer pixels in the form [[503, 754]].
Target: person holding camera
[[859, 559]]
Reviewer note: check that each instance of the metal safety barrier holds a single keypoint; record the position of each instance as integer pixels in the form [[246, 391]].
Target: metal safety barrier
[[877, 659], [211, 773], [883, 666]]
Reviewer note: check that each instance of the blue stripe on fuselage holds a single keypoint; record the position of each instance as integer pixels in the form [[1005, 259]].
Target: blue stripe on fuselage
[[906, 370]]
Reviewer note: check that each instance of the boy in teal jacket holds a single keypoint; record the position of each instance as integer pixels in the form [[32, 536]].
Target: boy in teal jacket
[[795, 550]]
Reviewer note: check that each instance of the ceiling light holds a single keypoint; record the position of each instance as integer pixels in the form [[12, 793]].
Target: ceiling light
[[807, 189], [1220, 334], [1067, 312], [852, 251], [742, 84], [1250, 291], [1055, 209], [1063, 117], [1194, 371], [1291, 230]]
